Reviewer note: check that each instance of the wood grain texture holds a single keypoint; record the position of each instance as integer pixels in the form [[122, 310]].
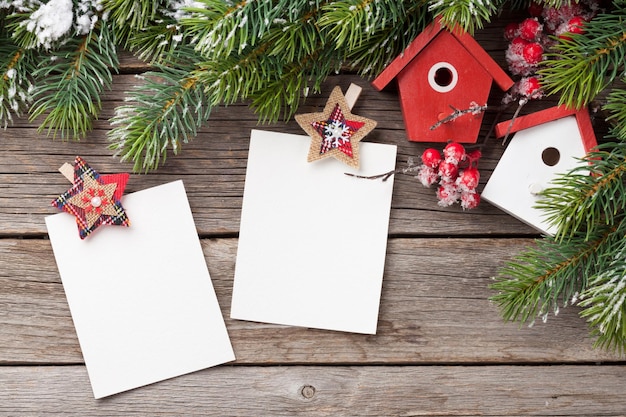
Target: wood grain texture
[[329, 391], [434, 309], [213, 168], [440, 349]]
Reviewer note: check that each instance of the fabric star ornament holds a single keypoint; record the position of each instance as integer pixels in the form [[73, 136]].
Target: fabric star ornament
[[94, 199], [336, 131]]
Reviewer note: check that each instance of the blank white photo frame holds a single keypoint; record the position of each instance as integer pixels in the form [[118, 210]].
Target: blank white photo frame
[[312, 240], [141, 297]]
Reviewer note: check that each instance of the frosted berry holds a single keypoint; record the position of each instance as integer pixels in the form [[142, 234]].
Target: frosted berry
[[448, 194], [427, 176], [515, 57], [431, 157], [473, 157], [530, 87], [535, 9], [448, 171], [468, 179], [569, 11], [532, 53], [454, 152], [530, 29], [470, 200], [445, 171], [574, 25], [516, 47], [511, 31]]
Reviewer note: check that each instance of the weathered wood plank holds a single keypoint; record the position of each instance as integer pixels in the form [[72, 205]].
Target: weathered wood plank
[[434, 309], [213, 165], [216, 160], [329, 391]]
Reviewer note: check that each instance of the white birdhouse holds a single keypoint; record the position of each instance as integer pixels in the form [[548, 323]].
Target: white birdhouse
[[546, 143]]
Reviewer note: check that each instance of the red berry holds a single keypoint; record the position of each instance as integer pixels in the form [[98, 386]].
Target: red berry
[[530, 87], [533, 52], [575, 25], [570, 11], [447, 194], [511, 31], [551, 18], [468, 179], [454, 152], [470, 200], [473, 157], [431, 157], [427, 176], [535, 9], [530, 29], [448, 171], [517, 45]]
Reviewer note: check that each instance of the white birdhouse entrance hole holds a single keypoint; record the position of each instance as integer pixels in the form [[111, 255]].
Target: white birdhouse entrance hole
[[442, 77]]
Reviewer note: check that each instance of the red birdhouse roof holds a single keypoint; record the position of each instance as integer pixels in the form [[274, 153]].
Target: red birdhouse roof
[[553, 113], [482, 58]]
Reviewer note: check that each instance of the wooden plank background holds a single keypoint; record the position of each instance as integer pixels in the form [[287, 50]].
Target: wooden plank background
[[441, 347]]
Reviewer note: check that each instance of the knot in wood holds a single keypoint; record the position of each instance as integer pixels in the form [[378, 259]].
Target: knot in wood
[[307, 391]]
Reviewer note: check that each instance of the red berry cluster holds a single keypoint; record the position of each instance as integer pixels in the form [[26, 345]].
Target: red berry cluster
[[456, 172], [533, 36]]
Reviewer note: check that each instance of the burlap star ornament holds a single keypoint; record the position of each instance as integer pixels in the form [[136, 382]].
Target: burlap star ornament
[[94, 199], [336, 131]]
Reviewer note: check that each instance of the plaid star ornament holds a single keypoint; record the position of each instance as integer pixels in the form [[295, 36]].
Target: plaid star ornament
[[94, 199], [336, 131]]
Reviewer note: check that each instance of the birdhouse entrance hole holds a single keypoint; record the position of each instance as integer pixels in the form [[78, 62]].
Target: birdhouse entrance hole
[[442, 77], [550, 156]]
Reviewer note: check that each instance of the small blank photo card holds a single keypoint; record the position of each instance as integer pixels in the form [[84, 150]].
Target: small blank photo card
[[312, 240], [141, 297]]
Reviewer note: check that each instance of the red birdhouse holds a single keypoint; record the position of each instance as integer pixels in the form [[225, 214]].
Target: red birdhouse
[[441, 70]]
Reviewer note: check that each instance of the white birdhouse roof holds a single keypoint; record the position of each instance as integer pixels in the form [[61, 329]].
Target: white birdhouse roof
[[553, 113]]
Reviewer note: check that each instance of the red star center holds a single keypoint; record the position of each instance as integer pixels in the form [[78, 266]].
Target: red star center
[[336, 132], [95, 199]]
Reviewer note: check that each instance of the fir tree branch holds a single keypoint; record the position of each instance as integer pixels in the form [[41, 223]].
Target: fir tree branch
[[616, 106], [74, 80], [271, 77], [16, 65], [604, 299], [17, 25], [227, 81], [549, 275], [162, 112], [290, 40], [351, 23], [388, 40], [130, 17], [222, 28], [468, 14], [581, 67], [157, 43], [282, 93]]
